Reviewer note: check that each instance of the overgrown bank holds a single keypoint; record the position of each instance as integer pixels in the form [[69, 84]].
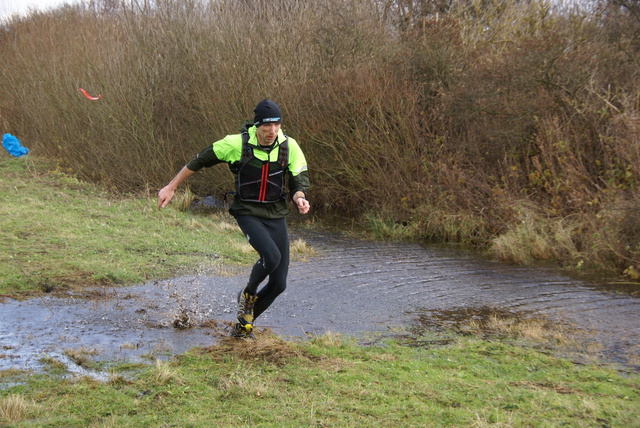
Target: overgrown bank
[[511, 126]]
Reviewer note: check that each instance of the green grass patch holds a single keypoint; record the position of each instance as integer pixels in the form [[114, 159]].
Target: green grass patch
[[60, 233], [331, 381]]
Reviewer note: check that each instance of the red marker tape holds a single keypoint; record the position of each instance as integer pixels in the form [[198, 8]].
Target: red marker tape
[[89, 97]]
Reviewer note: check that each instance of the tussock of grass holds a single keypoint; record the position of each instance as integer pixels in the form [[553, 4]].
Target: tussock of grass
[[268, 347], [182, 199], [164, 373], [329, 339], [245, 383], [10, 374], [13, 408], [300, 250], [553, 337], [537, 237], [224, 223], [385, 228], [81, 356], [580, 242], [537, 330]]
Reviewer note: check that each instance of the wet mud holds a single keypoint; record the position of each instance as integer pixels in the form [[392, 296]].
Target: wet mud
[[351, 287]]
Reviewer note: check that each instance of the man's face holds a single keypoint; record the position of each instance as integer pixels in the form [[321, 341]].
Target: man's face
[[267, 133]]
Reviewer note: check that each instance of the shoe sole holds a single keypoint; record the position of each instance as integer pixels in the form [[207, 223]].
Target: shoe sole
[[242, 335]]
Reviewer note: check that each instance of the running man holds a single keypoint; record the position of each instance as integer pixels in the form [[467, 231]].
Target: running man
[[270, 169]]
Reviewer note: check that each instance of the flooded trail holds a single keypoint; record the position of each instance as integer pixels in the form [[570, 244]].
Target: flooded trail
[[350, 287]]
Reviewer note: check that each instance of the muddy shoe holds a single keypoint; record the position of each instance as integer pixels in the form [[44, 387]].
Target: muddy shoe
[[244, 326], [246, 302], [241, 331]]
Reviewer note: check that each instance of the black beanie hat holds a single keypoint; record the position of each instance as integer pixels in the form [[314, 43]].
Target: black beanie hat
[[266, 112]]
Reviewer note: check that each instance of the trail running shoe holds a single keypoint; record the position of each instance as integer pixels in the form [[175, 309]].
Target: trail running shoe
[[244, 326], [241, 331]]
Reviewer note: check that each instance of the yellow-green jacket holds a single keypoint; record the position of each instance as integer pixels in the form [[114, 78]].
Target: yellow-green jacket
[[229, 150]]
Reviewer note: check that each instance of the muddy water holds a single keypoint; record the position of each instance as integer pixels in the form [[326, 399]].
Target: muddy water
[[350, 287]]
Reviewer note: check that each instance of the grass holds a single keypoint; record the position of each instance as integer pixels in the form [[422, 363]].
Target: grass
[[81, 356], [333, 381], [60, 233]]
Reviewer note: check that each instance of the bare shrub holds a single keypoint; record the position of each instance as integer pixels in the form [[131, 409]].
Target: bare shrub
[[615, 237], [363, 139], [442, 115]]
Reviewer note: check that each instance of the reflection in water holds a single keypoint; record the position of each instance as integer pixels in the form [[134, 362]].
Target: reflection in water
[[350, 287]]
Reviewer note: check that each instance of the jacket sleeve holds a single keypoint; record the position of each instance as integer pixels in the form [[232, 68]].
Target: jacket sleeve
[[299, 182], [205, 159], [298, 174]]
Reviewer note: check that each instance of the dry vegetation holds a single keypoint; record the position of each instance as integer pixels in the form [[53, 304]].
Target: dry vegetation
[[269, 347], [13, 408], [511, 125]]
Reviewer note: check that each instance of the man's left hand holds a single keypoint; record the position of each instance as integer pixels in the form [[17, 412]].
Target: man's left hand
[[303, 205]]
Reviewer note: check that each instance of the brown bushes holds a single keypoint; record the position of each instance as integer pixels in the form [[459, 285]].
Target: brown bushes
[[461, 119]]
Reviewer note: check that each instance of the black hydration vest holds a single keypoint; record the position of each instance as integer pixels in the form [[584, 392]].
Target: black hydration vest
[[258, 180]]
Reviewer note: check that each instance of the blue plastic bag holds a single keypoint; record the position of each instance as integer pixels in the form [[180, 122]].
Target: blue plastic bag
[[13, 146]]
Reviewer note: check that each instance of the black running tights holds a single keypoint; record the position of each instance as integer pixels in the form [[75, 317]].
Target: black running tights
[[269, 237]]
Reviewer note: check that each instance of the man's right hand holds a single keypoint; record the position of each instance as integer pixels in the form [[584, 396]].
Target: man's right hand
[[164, 196], [166, 193]]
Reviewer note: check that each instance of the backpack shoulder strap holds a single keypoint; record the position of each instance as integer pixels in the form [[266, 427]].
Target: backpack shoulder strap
[[283, 153], [247, 151]]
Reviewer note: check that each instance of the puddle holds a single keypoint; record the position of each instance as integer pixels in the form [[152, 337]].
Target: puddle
[[351, 287]]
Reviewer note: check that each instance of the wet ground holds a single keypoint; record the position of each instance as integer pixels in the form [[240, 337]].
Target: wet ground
[[351, 287]]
